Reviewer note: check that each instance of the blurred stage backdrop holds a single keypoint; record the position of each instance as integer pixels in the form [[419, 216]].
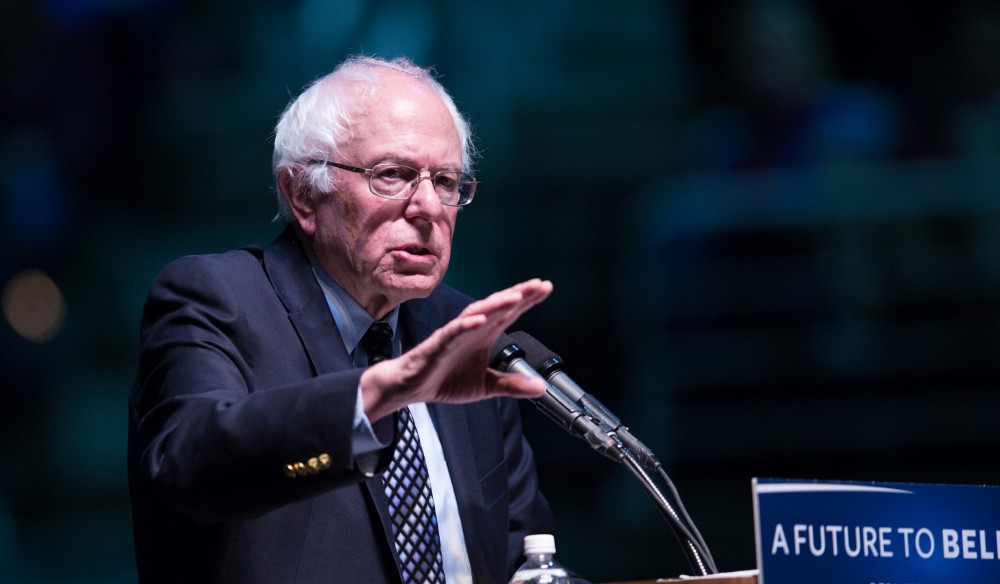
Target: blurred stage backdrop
[[773, 229]]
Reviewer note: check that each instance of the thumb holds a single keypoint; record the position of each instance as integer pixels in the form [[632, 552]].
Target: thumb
[[515, 385]]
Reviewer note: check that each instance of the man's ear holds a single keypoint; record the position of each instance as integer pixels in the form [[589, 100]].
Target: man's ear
[[300, 200]]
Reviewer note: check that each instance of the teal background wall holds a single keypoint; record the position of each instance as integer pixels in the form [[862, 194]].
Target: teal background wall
[[773, 229]]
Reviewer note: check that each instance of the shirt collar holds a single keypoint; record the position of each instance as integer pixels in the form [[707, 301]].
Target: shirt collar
[[352, 320]]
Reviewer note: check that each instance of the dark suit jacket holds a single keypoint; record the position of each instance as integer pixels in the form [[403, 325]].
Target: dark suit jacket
[[241, 373]]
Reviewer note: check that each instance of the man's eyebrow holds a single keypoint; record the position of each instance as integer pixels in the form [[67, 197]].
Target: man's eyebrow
[[407, 161]]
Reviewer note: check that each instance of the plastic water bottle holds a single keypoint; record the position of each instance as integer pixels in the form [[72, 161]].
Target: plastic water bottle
[[540, 566]]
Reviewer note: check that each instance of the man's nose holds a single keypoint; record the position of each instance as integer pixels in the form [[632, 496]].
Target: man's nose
[[425, 197]]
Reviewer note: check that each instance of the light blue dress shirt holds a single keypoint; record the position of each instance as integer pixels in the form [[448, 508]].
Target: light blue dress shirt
[[353, 321]]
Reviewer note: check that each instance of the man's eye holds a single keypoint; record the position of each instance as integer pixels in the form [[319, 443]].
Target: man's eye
[[392, 173], [447, 181]]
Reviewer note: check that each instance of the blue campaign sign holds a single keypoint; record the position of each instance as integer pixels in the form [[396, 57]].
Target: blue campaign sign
[[876, 533]]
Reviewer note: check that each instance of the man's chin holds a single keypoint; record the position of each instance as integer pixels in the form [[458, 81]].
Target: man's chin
[[413, 286]]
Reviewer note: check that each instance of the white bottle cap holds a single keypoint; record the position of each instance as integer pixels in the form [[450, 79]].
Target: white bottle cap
[[541, 543]]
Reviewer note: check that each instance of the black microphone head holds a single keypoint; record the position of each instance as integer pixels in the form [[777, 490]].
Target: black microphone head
[[504, 349], [536, 354]]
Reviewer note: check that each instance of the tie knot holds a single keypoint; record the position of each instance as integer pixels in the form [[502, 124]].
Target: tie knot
[[377, 342]]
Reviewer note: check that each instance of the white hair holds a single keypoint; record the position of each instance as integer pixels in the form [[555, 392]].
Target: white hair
[[317, 123]]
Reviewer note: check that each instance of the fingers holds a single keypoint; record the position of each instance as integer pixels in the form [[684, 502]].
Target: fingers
[[533, 292], [451, 364], [480, 322], [527, 293], [506, 306], [514, 385], [503, 308]]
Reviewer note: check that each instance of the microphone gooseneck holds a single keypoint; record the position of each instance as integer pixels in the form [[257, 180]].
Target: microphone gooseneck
[[584, 416]]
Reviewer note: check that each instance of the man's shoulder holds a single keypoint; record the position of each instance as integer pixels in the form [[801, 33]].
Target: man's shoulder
[[428, 314], [448, 295], [238, 262], [445, 301], [212, 265]]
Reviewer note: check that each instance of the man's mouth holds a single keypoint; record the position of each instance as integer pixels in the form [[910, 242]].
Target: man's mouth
[[416, 250]]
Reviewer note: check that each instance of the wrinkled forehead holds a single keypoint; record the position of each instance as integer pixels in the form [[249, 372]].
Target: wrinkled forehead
[[398, 105], [389, 89]]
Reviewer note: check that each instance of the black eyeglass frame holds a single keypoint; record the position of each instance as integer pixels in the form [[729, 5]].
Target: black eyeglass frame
[[370, 172]]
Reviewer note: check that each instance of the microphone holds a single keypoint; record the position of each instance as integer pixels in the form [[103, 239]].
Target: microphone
[[550, 366], [585, 417], [508, 356]]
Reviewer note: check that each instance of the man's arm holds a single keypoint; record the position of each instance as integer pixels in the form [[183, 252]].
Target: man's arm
[[213, 427]]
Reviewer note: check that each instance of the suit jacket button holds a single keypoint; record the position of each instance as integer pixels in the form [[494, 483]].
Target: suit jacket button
[[300, 469], [313, 465], [290, 471], [324, 461]]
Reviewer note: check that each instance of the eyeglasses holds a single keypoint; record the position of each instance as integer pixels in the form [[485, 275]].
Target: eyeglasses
[[397, 182]]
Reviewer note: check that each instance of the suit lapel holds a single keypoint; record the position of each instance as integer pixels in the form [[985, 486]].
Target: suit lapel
[[293, 280], [292, 277]]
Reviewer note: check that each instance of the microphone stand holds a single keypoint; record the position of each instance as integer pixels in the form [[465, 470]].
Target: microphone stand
[[586, 424], [694, 547]]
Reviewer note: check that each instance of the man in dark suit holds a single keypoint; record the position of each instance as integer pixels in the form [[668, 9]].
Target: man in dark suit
[[276, 387]]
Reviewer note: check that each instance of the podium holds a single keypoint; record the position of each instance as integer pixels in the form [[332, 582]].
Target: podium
[[715, 579], [821, 531]]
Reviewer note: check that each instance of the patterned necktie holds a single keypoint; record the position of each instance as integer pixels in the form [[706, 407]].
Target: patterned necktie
[[411, 505]]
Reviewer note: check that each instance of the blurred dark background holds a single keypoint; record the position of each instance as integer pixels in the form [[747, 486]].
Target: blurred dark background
[[773, 228]]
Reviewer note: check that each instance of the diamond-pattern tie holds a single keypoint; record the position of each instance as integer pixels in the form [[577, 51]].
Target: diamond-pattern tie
[[411, 504], [377, 342]]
